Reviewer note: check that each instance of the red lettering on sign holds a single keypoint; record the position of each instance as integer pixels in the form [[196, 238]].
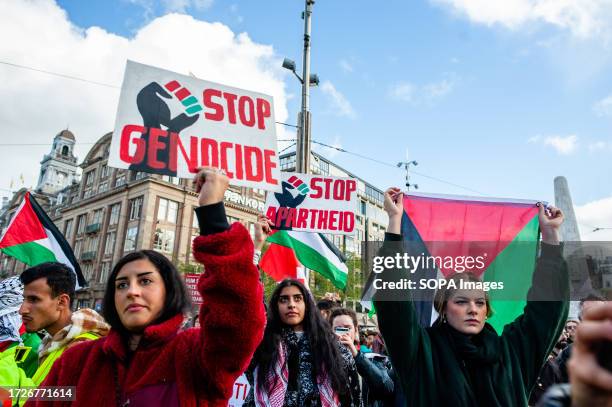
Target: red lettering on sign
[[351, 186], [349, 221], [156, 143], [257, 173], [190, 158], [124, 144], [249, 163], [245, 104], [302, 218], [249, 110], [230, 98], [208, 102], [269, 165], [271, 214], [263, 111], [209, 159], [317, 190], [322, 223], [332, 220], [224, 147]]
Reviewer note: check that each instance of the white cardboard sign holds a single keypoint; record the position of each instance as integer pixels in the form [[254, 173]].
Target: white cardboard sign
[[171, 124], [314, 203]]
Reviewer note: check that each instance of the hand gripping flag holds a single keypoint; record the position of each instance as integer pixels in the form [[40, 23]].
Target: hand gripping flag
[[32, 238], [313, 250], [446, 225]]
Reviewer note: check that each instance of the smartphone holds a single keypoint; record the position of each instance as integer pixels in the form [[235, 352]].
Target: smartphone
[[340, 330]]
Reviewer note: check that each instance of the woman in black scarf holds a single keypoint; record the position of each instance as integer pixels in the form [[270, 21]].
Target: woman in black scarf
[[299, 362]]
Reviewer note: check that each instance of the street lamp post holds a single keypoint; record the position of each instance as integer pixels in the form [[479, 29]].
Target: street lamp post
[[406, 166], [302, 162]]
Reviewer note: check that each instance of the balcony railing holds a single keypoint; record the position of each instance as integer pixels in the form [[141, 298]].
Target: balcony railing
[[93, 228], [88, 256]]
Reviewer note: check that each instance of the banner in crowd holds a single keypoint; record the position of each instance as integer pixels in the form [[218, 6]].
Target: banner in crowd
[[32, 238], [433, 226], [171, 124], [191, 282], [314, 203]]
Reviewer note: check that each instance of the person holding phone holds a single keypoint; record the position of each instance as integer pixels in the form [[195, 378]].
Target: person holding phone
[[300, 362], [377, 388]]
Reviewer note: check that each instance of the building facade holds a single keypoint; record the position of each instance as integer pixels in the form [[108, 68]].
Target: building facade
[[110, 212]]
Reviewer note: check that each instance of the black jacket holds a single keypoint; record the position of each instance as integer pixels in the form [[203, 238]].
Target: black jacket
[[436, 369], [376, 385]]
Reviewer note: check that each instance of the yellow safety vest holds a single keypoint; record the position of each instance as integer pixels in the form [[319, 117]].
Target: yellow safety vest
[[44, 369]]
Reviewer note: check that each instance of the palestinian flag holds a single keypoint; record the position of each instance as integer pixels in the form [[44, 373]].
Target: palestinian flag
[[313, 250], [32, 238], [444, 225]]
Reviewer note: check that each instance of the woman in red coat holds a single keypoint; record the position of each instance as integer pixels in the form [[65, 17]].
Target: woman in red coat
[[146, 360]]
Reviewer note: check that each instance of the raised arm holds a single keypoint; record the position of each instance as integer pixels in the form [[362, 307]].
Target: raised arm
[[397, 320], [232, 315], [533, 334]]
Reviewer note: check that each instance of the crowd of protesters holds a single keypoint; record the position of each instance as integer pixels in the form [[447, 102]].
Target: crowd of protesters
[[294, 350]]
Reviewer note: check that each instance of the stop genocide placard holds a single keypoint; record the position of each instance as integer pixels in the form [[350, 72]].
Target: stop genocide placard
[[171, 124]]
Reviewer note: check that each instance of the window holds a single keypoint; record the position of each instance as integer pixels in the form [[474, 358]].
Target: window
[[350, 244], [164, 240], [172, 180], [104, 171], [104, 271], [140, 175], [103, 187], [130, 239], [68, 228], [92, 245], [89, 177], [78, 246], [98, 216], [338, 241], [88, 271], [359, 235], [81, 224], [374, 195], [109, 245], [287, 163], [167, 210], [120, 179], [231, 219], [363, 207], [135, 208], [114, 214]]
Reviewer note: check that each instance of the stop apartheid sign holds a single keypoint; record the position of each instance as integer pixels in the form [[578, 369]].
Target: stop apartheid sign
[[172, 124], [314, 203]]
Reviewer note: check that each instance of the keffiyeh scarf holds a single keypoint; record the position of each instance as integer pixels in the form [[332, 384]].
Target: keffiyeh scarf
[[11, 297], [83, 320], [275, 392]]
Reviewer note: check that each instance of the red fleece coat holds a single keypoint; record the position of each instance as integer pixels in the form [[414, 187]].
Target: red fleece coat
[[194, 367]]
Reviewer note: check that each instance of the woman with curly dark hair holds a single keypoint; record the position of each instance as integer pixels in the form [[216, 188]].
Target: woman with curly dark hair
[[300, 362]]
